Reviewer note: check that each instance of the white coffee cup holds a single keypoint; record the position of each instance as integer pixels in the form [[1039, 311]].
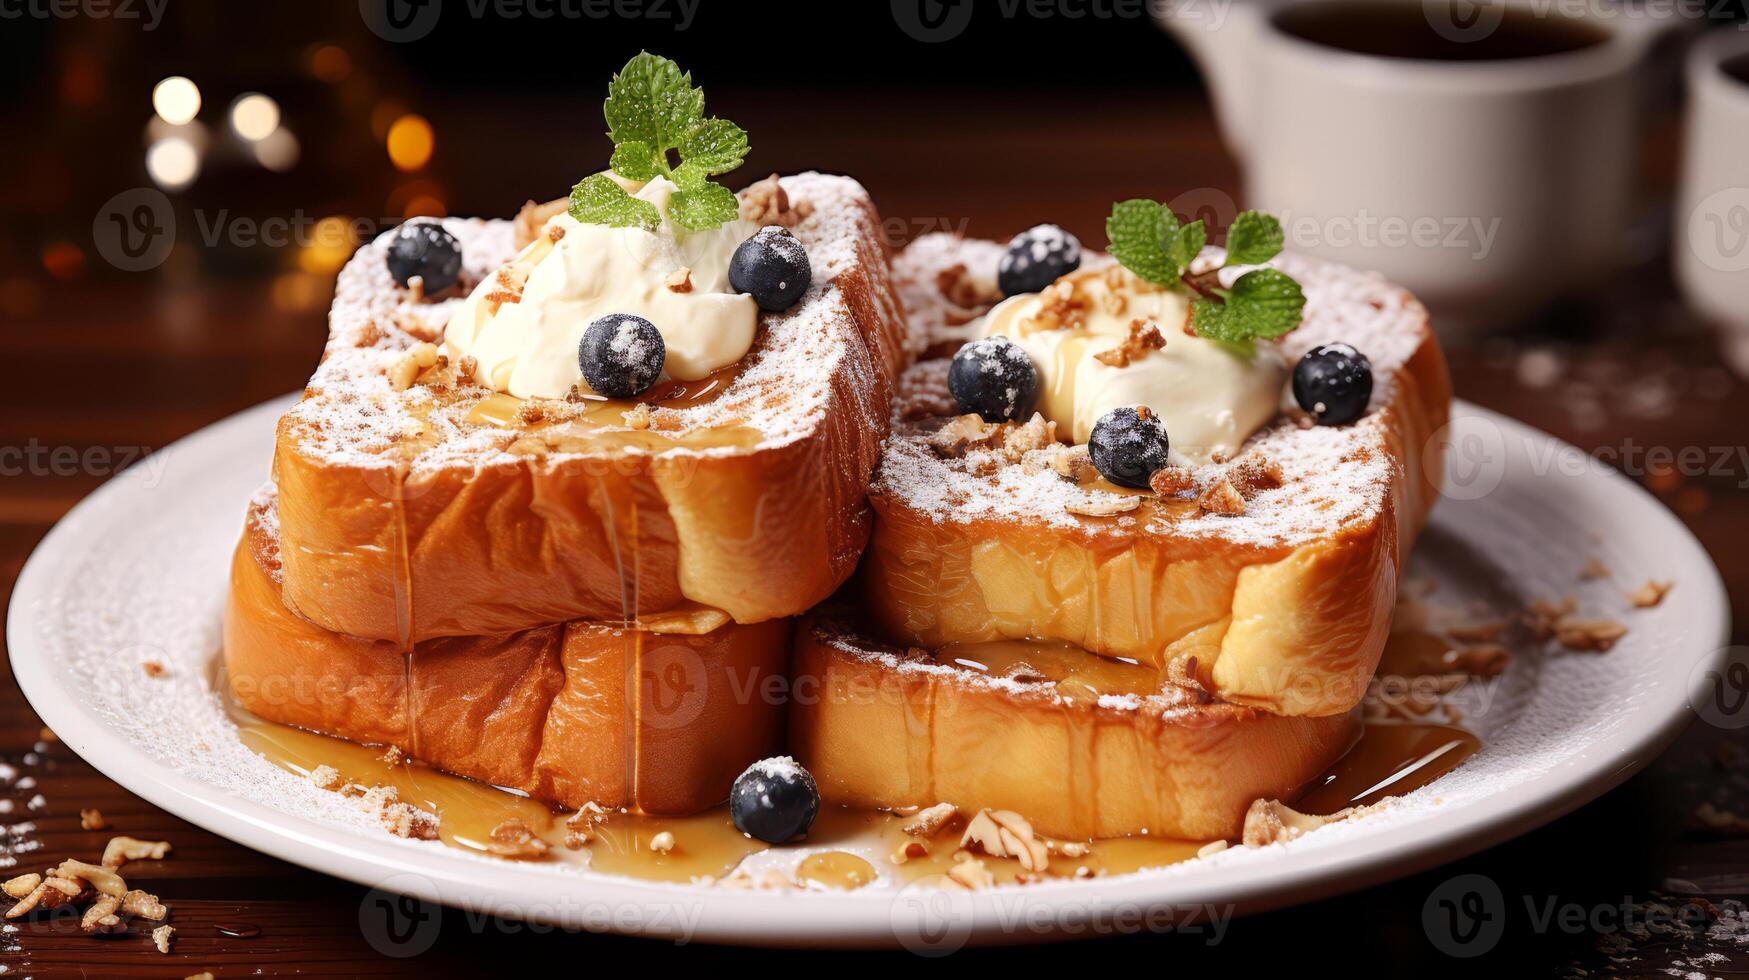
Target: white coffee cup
[[1489, 187], [1711, 248]]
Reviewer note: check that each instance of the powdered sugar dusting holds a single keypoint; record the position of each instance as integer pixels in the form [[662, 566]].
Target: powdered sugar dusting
[[1333, 476], [353, 416]]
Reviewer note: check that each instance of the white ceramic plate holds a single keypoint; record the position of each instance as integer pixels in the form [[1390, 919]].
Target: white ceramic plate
[[138, 572]]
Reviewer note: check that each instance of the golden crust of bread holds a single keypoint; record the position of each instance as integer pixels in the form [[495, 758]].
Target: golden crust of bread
[[420, 513], [879, 726], [543, 710], [1285, 609]]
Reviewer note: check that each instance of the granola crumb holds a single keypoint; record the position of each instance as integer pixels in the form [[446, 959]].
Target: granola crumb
[[1103, 505], [1144, 336], [1169, 481], [1222, 499], [1004, 833], [325, 777], [680, 281], [662, 843], [514, 839], [638, 416], [1254, 473], [1074, 464], [1649, 595], [91, 819], [162, 937], [971, 874], [767, 203], [929, 821], [121, 850], [1589, 635], [1212, 847], [1594, 570], [153, 668]]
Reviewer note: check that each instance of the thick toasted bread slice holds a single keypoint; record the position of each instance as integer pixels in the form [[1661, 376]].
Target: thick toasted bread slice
[[546, 710], [1284, 606], [1081, 746], [437, 508]]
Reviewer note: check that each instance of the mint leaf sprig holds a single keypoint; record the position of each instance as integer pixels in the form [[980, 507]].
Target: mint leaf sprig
[[1147, 239], [655, 117]]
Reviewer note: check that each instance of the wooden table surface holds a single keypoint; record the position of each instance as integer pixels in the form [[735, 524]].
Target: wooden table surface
[[122, 362]]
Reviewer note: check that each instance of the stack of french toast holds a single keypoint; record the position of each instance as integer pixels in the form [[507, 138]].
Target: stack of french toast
[[608, 503]]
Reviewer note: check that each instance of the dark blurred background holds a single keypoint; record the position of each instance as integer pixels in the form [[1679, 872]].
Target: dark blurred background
[[123, 336]]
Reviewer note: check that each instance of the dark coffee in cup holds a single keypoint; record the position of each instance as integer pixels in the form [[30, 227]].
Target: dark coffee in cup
[[1462, 31]]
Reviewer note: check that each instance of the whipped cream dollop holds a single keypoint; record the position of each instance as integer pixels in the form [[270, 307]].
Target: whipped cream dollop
[[523, 325], [1211, 396]]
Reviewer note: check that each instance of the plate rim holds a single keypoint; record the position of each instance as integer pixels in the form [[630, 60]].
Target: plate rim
[[856, 919]]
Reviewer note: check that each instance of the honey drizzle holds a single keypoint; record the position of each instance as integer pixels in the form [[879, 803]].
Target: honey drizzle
[[1390, 759]]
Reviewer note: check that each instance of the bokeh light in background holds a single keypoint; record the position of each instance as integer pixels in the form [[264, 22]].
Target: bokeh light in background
[[410, 142], [176, 100], [254, 116], [173, 163], [278, 151]]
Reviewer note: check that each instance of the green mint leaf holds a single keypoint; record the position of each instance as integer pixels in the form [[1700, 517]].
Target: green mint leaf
[[1254, 239], [597, 200], [634, 160], [689, 176], [1186, 245], [1262, 303], [703, 207], [652, 101], [717, 146], [1140, 231]]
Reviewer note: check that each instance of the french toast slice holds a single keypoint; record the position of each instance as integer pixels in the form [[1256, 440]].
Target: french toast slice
[[1284, 606], [1082, 746], [550, 711], [416, 504]]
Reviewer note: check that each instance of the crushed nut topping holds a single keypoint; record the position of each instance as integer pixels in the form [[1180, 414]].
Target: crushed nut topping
[[970, 873], [1254, 473], [1063, 306], [1589, 635], [1274, 822], [162, 937], [1103, 505], [22, 885], [580, 826], [533, 217], [680, 281], [90, 819], [767, 203], [1594, 570], [1222, 499], [1074, 464], [1144, 336], [401, 819], [961, 289], [121, 850], [1004, 833], [1169, 481], [662, 843], [507, 285], [910, 849], [1212, 847], [153, 668], [1649, 595], [930, 821], [514, 839], [412, 361], [961, 435], [637, 417], [1476, 632], [325, 777]]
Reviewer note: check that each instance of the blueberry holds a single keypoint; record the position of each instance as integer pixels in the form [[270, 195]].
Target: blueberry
[[424, 249], [994, 378], [1128, 445], [621, 355], [772, 267], [1036, 258], [1334, 383], [775, 800]]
